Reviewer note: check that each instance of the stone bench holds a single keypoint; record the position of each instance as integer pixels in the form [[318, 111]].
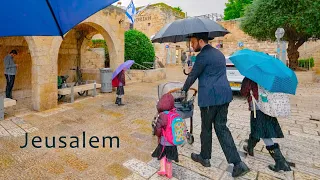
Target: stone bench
[[4, 103], [80, 88]]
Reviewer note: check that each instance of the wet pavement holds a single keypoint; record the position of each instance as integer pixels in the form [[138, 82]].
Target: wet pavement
[[100, 117]]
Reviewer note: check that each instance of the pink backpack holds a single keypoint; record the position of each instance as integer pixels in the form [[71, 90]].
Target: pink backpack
[[175, 132]]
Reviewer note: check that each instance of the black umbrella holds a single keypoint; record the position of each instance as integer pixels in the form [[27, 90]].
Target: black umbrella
[[180, 30]]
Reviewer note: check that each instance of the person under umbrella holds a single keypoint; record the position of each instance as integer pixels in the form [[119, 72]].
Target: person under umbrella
[[119, 81], [215, 95], [264, 127]]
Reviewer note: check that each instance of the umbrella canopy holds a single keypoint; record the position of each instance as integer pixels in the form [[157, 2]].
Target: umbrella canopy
[[45, 17], [265, 70], [180, 30], [124, 66]]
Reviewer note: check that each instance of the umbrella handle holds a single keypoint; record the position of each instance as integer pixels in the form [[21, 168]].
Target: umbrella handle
[[184, 72]]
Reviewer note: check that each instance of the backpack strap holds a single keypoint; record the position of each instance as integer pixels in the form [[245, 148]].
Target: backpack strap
[[254, 103]]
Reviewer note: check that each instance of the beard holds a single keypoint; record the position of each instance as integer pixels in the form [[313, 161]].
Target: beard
[[197, 49]]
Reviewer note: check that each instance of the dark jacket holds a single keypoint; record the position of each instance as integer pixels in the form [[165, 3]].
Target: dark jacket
[[166, 103], [248, 85], [210, 69]]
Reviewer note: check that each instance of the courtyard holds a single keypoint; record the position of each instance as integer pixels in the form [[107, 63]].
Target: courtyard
[[99, 116]]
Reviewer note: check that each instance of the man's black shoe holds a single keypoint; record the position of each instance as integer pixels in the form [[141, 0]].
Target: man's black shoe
[[199, 159], [240, 169]]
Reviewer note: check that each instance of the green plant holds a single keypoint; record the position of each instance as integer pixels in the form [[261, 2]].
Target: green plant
[[101, 43], [178, 8], [235, 8], [299, 19], [304, 63], [139, 48]]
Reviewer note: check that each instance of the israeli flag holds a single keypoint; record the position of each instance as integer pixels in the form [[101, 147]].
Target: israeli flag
[[131, 12]]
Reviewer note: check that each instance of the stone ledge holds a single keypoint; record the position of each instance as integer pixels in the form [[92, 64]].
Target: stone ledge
[[306, 77], [148, 76]]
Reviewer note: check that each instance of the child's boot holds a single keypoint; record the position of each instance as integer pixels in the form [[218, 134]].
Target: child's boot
[[117, 100], [120, 102], [162, 171], [281, 163], [169, 169], [252, 142]]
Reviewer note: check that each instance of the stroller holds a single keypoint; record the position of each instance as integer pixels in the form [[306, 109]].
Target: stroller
[[183, 106]]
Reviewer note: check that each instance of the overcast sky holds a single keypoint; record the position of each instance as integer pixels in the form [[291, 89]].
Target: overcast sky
[[192, 7]]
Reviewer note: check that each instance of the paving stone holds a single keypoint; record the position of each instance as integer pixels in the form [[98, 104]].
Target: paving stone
[[181, 172], [3, 132], [303, 176], [211, 172], [310, 131], [250, 175], [308, 136], [16, 132], [117, 171], [140, 168], [31, 130], [17, 120], [157, 177], [25, 126], [134, 176], [8, 124], [308, 169]]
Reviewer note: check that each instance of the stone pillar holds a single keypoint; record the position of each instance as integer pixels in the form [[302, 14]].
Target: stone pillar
[[44, 72]]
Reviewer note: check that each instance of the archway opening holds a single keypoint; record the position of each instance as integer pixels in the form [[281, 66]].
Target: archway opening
[[22, 87]]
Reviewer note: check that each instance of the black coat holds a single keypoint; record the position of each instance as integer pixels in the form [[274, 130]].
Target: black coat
[[210, 69]]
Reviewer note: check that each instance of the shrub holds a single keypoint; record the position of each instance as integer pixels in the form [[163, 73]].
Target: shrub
[[139, 48], [304, 63]]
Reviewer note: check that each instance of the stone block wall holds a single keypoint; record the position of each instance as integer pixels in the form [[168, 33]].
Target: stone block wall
[[22, 85]]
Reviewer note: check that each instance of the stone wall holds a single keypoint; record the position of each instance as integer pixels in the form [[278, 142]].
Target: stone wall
[[150, 21], [22, 85], [230, 41]]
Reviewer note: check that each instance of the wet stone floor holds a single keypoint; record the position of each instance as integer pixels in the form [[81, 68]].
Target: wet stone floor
[[101, 120]]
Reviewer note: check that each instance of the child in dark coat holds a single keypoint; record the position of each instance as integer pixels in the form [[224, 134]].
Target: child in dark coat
[[165, 152], [264, 127]]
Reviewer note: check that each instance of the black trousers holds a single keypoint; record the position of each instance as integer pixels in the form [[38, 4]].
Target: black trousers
[[10, 83], [217, 115]]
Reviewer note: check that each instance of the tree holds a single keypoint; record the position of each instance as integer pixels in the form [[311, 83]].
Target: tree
[[299, 18], [178, 8], [235, 8], [139, 48]]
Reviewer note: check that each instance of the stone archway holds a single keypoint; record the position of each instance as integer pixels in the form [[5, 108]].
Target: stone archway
[[74, 52], [45, 56], [22, 90]]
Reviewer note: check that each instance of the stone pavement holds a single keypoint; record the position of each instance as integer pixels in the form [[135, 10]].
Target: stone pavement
[[100, 117]]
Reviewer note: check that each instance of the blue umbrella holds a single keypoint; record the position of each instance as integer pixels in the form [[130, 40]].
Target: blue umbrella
[[268, 72], [124, 66], [45, 17]]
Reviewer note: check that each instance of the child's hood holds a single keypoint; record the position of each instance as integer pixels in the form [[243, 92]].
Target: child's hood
[[166, 103]]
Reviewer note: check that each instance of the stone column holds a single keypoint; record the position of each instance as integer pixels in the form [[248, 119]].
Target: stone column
[[44, 72]]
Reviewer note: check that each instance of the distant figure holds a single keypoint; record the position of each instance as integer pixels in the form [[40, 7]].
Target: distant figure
[[10, 70], [183, 58]]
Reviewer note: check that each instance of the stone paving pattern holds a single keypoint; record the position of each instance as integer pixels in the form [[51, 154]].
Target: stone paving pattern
[[99, 116]]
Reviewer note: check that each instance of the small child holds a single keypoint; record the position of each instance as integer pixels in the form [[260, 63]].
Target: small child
[[165, 152], [119, 82]]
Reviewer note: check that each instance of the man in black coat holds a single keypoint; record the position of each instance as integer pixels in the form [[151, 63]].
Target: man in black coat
[[215, 95]]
